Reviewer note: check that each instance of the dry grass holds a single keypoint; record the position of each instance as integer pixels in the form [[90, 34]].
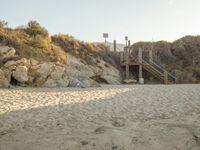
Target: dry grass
[[38, 46]]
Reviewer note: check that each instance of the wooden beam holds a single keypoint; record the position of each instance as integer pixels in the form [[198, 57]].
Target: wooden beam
[[129, 46], [140, 61], [115, 46], [127, 62], [166, 77]]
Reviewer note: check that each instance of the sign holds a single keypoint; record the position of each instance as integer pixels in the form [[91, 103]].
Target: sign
[[105, 35]]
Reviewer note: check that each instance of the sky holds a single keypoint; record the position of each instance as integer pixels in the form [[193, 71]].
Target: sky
[[86, 20]]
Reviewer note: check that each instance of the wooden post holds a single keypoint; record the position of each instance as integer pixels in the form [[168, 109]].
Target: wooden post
[[115, 46], [127, 62], [140, 64], [121, 57], [165, 77], [129, 46], [151, 53]]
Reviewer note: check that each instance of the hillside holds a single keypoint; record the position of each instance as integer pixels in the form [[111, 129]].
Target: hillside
[[181, 57], [30, 57]]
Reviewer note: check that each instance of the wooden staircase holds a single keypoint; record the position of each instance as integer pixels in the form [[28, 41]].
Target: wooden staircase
[[155, 69]]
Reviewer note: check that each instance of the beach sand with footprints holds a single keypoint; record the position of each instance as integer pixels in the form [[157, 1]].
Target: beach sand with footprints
[[123, 117]]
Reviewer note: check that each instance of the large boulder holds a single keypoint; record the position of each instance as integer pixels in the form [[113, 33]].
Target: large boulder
[[48, 75], [4, 79], [21, 74], [45, 69]]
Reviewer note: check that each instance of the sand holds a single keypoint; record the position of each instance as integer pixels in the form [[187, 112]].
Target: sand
[[132, 117]]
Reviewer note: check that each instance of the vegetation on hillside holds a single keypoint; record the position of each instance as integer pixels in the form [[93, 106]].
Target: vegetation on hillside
[[32, 41], [88, 53]]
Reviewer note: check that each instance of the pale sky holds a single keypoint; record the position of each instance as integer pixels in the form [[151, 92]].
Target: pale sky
[[140, 20]]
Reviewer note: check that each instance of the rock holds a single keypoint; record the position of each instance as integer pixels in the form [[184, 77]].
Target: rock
[[45, 69], [57, 72], [74, 82], [33, 62], [6, 51], [50, 83], [21, 74], [9, 63], [47, 75], [89, 83], [64, 82], [21, 62], [77, 69], [110, 79], [4, 79], [83, 83]]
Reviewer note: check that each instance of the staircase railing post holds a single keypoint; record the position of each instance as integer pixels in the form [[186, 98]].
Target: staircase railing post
[[141, 80], [129, 46], [127, 61], [165, 77], [115, 46]]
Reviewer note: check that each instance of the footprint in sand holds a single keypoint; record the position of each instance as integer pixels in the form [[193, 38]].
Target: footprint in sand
[[118, 121], [101, 130]]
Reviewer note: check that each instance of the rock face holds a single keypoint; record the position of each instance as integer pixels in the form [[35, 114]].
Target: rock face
[[82, 72], [110, 79], [29, 72], [51, 83], [44, 69], [57, 73], [21, 74]]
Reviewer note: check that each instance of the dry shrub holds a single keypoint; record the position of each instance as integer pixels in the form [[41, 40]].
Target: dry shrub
[[32, 42]]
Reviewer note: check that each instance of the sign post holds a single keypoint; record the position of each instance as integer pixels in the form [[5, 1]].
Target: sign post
[[105, 36]]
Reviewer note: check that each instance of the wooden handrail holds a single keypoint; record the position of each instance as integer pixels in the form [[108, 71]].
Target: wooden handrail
[[154, 66], [164, 70]]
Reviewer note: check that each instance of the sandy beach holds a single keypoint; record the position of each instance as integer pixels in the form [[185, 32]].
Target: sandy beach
[[131, 117]]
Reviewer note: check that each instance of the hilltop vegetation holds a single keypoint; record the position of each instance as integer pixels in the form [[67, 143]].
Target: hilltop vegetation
[[32, 41]]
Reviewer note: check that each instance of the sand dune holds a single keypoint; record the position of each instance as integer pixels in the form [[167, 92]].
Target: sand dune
[[134, 117]]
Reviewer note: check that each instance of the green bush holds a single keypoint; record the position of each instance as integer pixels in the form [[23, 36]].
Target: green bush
[[34, 29]]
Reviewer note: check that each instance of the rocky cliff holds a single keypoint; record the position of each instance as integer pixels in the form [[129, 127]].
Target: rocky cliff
[[30, 57]]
